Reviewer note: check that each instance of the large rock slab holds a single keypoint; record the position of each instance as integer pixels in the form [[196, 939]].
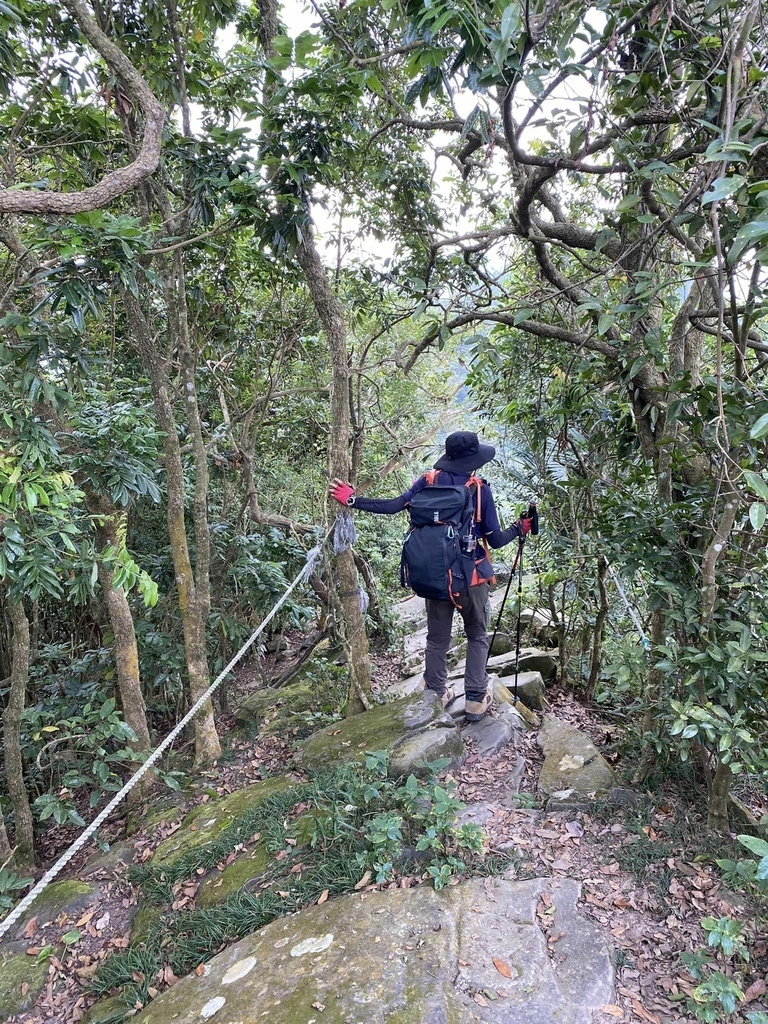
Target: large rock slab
[[573, 769], [408, 957], [414, 728]]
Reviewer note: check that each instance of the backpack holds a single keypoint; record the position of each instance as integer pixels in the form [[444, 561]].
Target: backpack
[[435, 562]]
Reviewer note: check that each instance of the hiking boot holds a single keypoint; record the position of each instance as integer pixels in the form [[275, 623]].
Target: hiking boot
[[476, 709]]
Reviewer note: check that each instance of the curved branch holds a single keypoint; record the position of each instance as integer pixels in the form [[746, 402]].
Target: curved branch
[[116, 183]]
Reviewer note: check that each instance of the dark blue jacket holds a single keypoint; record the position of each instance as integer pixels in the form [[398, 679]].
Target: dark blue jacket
[[488, 527]]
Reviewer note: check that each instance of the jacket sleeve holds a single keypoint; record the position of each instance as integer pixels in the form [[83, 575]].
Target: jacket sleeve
[[389, 506], [489, 522]]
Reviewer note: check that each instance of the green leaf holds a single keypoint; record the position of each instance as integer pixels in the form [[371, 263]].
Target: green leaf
[[757, 515], [757, 484], [754, 844], [760, 426], [721, 188]]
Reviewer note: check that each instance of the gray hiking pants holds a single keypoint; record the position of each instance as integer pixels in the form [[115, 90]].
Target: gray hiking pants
[[439, 620]]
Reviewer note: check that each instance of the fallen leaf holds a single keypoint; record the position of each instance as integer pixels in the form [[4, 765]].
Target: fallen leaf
[[103, 921], [502, 967], [200, 970], [321, 899], [480, 1000], [612, 1010], [641, 1011], [318, 1006], [757, 988], [364, 880], [29, 930]]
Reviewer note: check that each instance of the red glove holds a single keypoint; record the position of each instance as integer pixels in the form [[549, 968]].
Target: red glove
[[343, 493], [524, 525]]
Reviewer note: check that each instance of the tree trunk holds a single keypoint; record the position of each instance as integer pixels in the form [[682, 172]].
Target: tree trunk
[[717, 810], [24, 838], [332, 318], [126, 648], [207, 746], [597, 639], [5, 846]]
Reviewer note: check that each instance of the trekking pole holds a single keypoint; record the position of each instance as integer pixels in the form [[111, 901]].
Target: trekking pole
[[533, 515], [519, 615]]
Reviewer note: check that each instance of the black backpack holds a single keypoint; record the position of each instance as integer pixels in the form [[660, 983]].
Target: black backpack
[[437, 562]]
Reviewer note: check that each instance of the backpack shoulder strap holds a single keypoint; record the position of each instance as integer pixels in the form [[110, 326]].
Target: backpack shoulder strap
[[477, 482]]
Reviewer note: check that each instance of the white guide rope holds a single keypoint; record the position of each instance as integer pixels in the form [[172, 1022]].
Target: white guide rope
[[632, 613], [313, 557]]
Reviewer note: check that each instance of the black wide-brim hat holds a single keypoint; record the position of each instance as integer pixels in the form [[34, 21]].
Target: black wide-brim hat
[[464, 452]]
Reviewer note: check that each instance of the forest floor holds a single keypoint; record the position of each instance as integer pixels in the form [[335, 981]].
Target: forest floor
[[648, 873]]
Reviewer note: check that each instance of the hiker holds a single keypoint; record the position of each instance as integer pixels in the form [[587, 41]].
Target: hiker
[[450, 566]]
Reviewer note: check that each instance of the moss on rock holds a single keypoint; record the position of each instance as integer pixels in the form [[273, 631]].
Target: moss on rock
[[248, 867], [143, 921], [68, 897], [16, 969], [395, 727], [105, 1011], [206, 823]]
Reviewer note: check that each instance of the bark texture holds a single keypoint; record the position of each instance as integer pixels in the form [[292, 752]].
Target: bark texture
[[24, 839], [192, 608], [118, 182], [121, 621], [331, 316]]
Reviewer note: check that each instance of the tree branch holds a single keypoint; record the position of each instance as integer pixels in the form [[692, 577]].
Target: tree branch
[[116, 183]]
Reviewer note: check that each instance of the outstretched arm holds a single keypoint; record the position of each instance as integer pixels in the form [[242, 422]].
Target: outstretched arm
[[491, 526], [345, 494]]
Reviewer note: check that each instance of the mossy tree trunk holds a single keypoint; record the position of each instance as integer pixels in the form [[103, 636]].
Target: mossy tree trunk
[[108, 535], [193, 602], [331, 316], [24, 838]]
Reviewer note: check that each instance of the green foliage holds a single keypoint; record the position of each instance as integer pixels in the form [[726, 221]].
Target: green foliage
[[10, 884], [718, 995], [752, 872]]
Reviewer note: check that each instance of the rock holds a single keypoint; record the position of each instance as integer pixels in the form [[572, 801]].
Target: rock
[[206, 822], [573, 769], [503, 695], [407, 957], [145, 917], [492, 734], [404, 687], [540, 624], [531, 660], [15, 970], [530, 690], [107, 863], [280, 706], [240, 874], [411, 613], [502, 644], [105, 1011], [412, 664], [69, 897], [412, 728]]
